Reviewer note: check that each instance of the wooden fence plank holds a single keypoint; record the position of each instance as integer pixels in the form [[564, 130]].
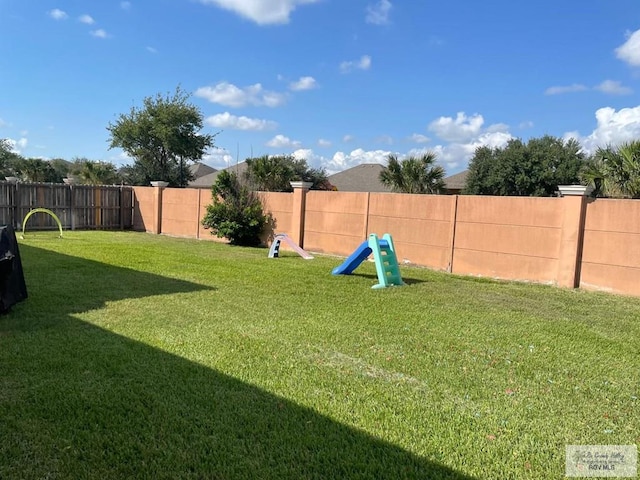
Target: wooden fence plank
[[77, 206]]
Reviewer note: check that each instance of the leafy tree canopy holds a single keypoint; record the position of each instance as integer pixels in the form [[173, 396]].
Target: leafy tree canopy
[[236, 212], [35, 170], [413, 175], [8, 158], [274, 173], [535, 168], [162, 137]]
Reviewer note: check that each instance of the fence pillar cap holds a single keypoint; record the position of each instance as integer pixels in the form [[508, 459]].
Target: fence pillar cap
[[575, 190], [303, 185], [158, 183]]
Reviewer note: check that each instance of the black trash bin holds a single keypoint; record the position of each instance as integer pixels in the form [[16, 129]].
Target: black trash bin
[[12, 286]]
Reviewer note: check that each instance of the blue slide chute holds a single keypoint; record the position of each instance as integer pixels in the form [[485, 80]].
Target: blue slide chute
[[354, 260]]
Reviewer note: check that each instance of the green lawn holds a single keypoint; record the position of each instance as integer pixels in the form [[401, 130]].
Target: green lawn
[[141, 356]]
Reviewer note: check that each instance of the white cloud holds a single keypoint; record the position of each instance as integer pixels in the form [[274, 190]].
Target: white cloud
[[452, 156], [88, 19], [613, 128], [304, 83], [280, 141], [363, 64], [233, 122], [525, 125], [219, 158], [125, 5], [227, 94], [559, 90], [384, 139], [378, 14], [348, 138], [460, 129], [497, 127], [3, 123], [324, 143], [99, 33], [58, 14], [455, 155], [305, 154], [121, 159], [16, 146], [152, 50], [613, 87], [629, 51], [341, 161], [262, 12], [419, 138]]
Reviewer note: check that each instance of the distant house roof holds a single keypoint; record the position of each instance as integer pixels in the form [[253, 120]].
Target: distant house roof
[[206, 181], [361, 178], [455, 183], [199, 169]]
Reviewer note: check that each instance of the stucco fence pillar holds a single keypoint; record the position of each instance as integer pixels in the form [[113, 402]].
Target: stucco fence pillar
[[300, 190], [158, 188], [574, 200]]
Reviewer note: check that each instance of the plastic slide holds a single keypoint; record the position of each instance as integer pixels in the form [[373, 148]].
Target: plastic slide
[[274, 251], [354, 260], [384, 256]]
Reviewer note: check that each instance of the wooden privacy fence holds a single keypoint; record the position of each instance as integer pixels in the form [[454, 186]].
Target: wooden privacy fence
[[77, 206]]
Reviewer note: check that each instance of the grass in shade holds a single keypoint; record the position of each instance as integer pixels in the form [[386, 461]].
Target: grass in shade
[[141, 356]]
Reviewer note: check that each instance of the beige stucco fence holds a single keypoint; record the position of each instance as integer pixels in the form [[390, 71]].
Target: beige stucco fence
[[570, 241]]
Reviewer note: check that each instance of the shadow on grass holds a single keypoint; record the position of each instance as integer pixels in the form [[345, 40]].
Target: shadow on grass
[[407, 280], [78, 401]]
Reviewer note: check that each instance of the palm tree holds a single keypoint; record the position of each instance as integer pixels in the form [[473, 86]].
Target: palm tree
[[615, 172], [92, 172], [628, 170], [413, 175]]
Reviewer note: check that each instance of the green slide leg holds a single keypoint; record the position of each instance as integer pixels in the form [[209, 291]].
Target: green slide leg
[[384, 255]]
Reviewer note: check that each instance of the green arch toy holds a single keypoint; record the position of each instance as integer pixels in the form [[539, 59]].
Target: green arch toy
[[40, 210]]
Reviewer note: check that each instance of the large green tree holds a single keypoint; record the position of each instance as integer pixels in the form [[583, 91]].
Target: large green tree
[[274, 173], [413, 174], [615, 171], [535, 168], [162, 137]]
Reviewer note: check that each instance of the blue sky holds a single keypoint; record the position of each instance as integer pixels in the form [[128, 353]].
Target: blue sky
[[338, 82]]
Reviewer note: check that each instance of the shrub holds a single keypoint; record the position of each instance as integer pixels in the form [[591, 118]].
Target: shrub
[[236, 212]]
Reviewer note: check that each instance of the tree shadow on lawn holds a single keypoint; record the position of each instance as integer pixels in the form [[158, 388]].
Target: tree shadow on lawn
[[79, 401]]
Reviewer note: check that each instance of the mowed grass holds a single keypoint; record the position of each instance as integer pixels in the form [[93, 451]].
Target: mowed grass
[[141, 356]]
